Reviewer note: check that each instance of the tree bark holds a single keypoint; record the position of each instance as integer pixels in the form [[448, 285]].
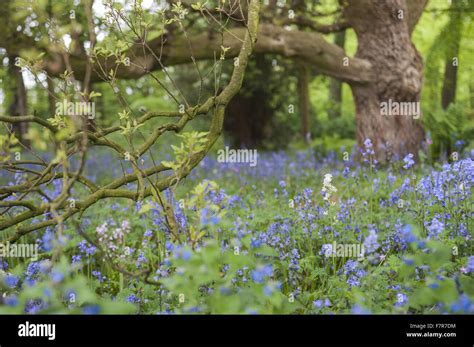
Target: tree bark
[[249, 112], [335, 86], [303, 97], [307, 46], [18, 107], [448, 93], [383, 34]]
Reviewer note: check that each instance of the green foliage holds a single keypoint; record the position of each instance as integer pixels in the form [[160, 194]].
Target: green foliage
[[446, 127], [60, 289], [8, 145], [193, 142], [201, 285]]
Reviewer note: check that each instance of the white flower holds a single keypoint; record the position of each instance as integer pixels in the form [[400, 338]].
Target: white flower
[[328, 188]]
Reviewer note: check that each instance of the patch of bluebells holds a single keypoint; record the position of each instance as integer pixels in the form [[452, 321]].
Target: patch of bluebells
[[86, 249], [354, 273], [463, 305], [408, 161], [262, 273], [98, 275], [180, 252], [370, 243], [435, 227], [132, 298], [401, 299], [470, 264], [320, 303], [11, 281], [450, 186]]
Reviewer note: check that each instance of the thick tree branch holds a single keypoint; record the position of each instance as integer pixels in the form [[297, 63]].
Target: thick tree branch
[[311, 47]]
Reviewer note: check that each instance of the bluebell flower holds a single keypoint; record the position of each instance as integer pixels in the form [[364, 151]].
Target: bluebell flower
[[261, 273], [56, 276], [407, 234], [11, 300], [132, 298], [268, 290], [47, 240], [11, 281], [205, 219], [255, 243], [3, 265], [357, 309], [470, 264], [91, 309], [225, 290], [32, 270], [327, 250], [47, 293], [350, 266], [370, 243], [181, 253], [459, 144], [435, 227], [97, 274], [318, 304], [141, 259], [408, 160], [85, 248], [402, 299], [35, 306], [463, 305], [391, 178]]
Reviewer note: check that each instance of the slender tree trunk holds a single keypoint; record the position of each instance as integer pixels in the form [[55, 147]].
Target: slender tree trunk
[[384, 40], [303, 98], [448, 93], [18, 107], [335, 86]]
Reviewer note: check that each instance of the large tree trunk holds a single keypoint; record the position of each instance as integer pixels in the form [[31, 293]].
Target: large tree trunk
[[383, 33], [335, 85]]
